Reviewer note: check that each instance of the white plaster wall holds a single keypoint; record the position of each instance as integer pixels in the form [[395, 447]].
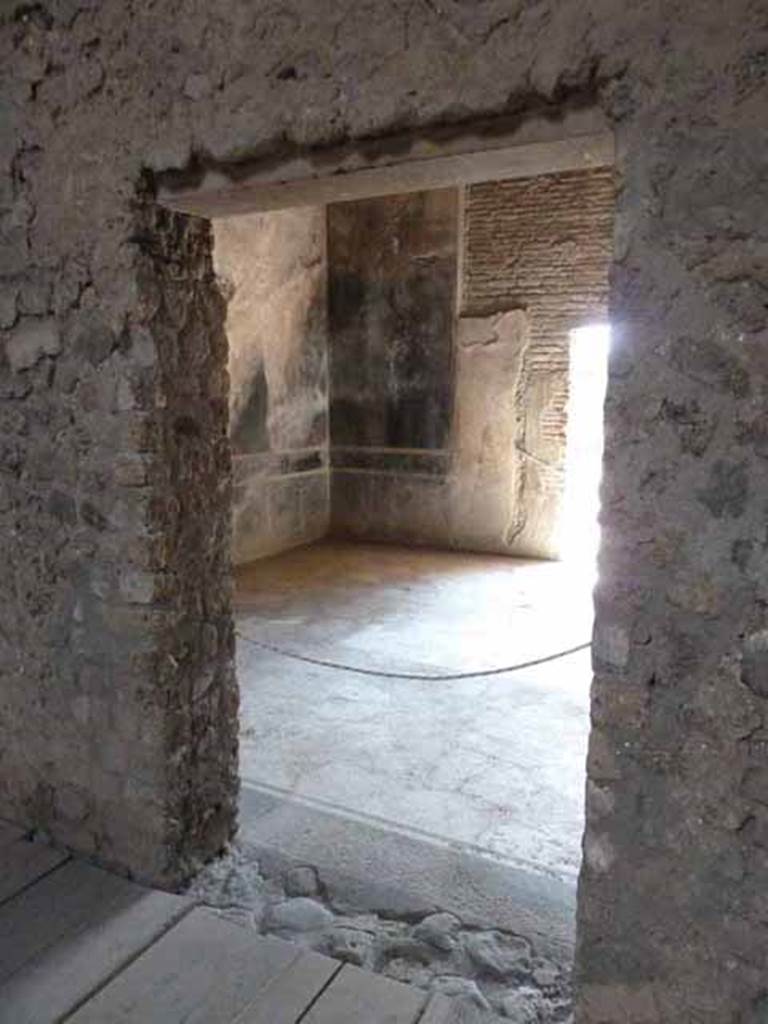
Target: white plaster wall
[[272, 267]]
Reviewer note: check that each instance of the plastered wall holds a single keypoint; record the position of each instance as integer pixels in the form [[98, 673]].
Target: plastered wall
[[117, 707], [272, 267]]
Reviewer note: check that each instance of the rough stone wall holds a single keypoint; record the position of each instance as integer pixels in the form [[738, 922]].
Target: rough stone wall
[[542, 245], [273, 268], [115, 385], [185, 583], [672, 922], [485, 483]]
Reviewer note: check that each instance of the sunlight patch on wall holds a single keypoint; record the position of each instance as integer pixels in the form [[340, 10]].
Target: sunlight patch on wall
[[588, 378]]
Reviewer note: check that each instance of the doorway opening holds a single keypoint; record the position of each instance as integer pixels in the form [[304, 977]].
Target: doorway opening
[[415, 427], [587, 383]]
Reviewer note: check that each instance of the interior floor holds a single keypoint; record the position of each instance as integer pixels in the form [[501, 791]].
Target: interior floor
[[493, 764]]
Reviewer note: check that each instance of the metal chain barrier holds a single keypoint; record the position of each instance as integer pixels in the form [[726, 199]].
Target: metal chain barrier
[[381, 674]]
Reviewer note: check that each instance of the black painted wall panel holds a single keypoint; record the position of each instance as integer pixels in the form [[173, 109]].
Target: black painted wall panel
[[392, 295]]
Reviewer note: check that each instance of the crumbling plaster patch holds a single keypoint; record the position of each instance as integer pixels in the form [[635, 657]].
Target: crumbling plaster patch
[[486, 494], [674, 928]]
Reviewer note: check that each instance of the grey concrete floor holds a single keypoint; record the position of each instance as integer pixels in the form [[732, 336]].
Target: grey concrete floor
[[339, 766]]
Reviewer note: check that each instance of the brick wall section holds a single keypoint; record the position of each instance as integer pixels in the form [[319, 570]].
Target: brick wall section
[[544, 245]]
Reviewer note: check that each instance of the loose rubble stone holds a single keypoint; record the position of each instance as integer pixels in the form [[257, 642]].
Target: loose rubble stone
[[299, 915], [350, 945], [406, 959], [231, 881], [435, 953], [372, 923], [501, 955], [408, 972], [545, 973], [386, 901], [439, 930], [523, 1006], [408, 949], [461, 988], [301, 881]]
